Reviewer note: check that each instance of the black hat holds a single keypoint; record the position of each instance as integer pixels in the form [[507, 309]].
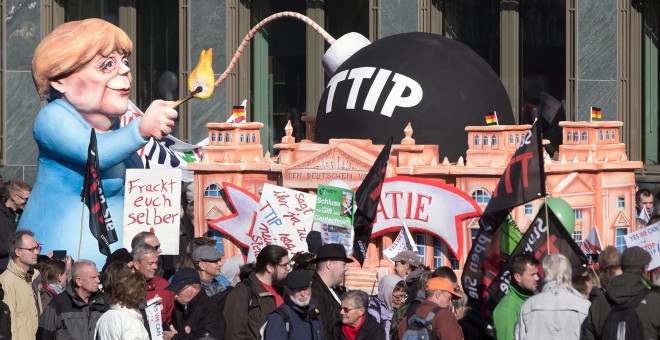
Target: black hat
[[182, 278], [635, 257], [299, 278], [331, 252], [119, 255]]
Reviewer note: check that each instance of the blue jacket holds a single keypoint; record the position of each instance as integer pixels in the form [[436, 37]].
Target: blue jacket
[[53, 211], [304, 323]]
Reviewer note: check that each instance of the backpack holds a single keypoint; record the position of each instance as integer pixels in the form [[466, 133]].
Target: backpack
[[622, 322], [421, 328], [287, 326], [221, 298]]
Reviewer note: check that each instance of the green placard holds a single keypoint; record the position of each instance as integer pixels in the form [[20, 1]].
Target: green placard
[[334, 206]]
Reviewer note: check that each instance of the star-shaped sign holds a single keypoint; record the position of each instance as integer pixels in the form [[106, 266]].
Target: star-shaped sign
[[238, 226]]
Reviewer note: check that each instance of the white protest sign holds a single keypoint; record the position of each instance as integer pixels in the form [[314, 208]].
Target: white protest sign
[[649, 240], [154, 318], [152, 202], [284, 218], [403, 242]]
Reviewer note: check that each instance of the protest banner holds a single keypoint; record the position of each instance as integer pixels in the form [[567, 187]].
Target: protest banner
[[284, 218], [154, 318], [649, 240], [153, 203], [334, 206], [404, 241]]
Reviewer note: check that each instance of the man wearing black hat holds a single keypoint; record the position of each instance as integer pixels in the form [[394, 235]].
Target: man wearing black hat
[[631, 286], [331, 269], [195, 314], [296, 318]]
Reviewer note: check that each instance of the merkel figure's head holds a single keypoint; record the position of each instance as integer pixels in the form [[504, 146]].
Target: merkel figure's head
[[85, 63]]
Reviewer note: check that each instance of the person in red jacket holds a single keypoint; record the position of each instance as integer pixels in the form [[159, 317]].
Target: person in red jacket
[[439, 293], [145, 261]]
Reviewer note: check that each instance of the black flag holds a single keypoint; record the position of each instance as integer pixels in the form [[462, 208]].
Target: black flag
[[367, 198], [523, 181], [100, 222], [535, 242]]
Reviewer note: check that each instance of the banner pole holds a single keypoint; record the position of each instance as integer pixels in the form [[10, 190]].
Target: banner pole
[[547, 225], [82, 214]]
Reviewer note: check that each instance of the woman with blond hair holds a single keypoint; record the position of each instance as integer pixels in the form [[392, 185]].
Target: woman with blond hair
[[124, 320], [81, 69]]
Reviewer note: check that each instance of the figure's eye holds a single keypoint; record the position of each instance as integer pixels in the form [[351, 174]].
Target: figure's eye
[[125, 61], [108, 65]]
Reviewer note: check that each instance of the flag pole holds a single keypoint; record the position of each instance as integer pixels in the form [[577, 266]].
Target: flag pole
[[591, 114], [547, 225], [497, 121], [82, 215]]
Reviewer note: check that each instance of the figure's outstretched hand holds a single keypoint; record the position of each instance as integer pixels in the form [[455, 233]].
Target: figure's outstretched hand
[[158, 120]]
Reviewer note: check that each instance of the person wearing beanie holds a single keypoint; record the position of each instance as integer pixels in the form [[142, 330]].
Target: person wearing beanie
[[632, 283], [119, 255], [297, 318], [391, 295]]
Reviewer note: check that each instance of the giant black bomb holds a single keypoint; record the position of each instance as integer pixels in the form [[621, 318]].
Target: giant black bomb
[[438, 84]]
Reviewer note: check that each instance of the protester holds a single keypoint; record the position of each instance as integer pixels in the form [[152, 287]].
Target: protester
[[17, 196], [296, 318], [460, 306], [195, 314], [54, 280], [356, 323], [593, 276], [5, 317], [524, 282], [331, 269], [391, 295], [476, 325], [21, 285], [623, 289], [409, 267], [439, 294], [558, 311], [262, 288], [303, 260], [74, 314], [123, 320], [583, 285], [120, 255], [146, 262], [231, 268], [609, 263], [207, 261], [152, 240]]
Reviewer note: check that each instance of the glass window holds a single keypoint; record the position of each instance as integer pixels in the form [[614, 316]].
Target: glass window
[[242, 138], [529, 209], [621, 202], [485, 140], [254, 137], [542, 58], [576, 136], [227, 137], [569, 136], [511, 139], [481, 196], [612, 135], [578, 214], [585, 136], [494, 139], [577, 236], [477, 140], [247, 138], [437, 252], [213, 190], [600, 135], [620, 238], [473, 233], [216, 235], [420, 238], [517, 139], [607, 135], [214, 136]]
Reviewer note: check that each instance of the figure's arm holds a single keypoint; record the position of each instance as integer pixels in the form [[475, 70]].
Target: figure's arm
[[66, 138]]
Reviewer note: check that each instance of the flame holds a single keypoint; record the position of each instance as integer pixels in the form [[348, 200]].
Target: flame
[[202, 75]]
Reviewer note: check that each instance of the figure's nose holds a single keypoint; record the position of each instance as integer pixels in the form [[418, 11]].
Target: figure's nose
[[124, 69]]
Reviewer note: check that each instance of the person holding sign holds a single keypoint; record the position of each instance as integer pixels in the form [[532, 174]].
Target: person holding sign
[[81, 69]]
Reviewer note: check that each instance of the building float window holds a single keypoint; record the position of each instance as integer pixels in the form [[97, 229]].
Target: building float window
[[494, 140], [621, 202], [528, 209], [437, 252], [213, 190], [612, 135], [585, 136], [254, 137], [242, 138], [569, 136], [578, 214], [517, 139], [421, 246], [481, 196], [214, 137], [477, 140], [485, 140], [576, 136], [607, 135], [620, 238], [227, 137], [577, 237], [511, 139], [600, 135]]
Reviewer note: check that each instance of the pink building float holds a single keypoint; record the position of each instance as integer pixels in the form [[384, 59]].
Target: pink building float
[[591, 172]]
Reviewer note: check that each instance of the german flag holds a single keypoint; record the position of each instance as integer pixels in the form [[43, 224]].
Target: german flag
[[596, 113], [238, 114], [491, 118]]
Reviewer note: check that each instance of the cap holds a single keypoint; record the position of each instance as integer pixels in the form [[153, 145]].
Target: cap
[[440, 283], [206, 254], [314, 241], [331, 252], [635, 257], [182, 278], [407, 256], [119, 255], [298, 279]]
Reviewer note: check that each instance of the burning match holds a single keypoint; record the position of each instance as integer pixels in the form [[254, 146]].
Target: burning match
[[187, 97]]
